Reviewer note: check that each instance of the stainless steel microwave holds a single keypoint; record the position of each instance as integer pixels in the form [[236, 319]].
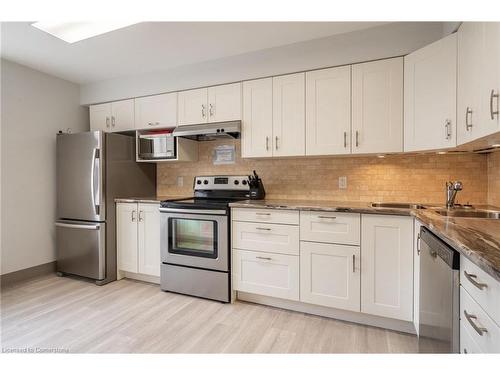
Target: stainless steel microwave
[[154, 146]]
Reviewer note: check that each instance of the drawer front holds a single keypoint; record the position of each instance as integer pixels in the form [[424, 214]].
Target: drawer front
[[273, 275], [488, 337], [467, 344], [330, 227], [266, 215], [483, 288], [273, 238]]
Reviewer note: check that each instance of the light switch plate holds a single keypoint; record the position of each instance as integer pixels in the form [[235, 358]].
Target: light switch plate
[[343, 182]]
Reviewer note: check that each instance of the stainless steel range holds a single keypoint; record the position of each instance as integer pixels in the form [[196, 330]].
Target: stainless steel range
[[195, 238]]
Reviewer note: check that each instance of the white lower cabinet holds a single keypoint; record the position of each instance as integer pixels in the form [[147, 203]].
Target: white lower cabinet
[[416, 275], [138, 238], [274, 275], [330, 275], [387, 266]]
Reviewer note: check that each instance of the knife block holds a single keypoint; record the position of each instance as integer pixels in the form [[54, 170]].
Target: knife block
[[257, 192]]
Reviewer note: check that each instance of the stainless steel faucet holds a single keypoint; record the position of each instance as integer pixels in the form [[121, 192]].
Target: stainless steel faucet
[[452, 188]]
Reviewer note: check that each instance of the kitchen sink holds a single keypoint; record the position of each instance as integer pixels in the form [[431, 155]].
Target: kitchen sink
[[481, 214], [408, 206]]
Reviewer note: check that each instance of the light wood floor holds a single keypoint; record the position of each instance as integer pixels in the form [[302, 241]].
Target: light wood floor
[[135, 317]]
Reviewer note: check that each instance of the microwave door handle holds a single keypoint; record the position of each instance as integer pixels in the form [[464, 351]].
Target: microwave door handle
[[94, 180]]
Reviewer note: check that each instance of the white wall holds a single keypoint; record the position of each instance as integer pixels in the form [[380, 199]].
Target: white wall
[[390, 40], [34, 106]]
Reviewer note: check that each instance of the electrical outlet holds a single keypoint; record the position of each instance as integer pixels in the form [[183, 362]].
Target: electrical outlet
[[180, 181], [343, 182]]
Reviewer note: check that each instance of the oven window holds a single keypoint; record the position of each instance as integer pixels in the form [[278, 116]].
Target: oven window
[[192, 237]]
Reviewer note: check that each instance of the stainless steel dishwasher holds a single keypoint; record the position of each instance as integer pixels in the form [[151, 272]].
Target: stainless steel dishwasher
[[439, 315]]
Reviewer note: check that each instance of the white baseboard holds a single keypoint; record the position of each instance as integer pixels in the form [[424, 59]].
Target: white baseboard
[[348, 316], [140, 277]]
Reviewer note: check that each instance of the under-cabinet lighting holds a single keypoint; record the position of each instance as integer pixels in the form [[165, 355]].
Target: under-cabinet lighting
[[381, 156], [496, 145], [72, 32], [441, 152]]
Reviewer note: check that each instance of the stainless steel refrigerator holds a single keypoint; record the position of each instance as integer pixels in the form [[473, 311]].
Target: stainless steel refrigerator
[[94, 168]]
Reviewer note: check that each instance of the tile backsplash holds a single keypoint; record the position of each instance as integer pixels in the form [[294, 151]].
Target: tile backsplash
[[397, 178], [494, 179]]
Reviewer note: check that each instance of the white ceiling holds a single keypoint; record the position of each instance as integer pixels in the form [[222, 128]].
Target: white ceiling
[[154, 46]]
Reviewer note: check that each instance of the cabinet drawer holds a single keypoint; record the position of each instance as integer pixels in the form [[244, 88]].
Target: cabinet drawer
[[274, 238], [266, 215], [483, 288], [330, 227], [467, 344], [488, 338], [273, 275]]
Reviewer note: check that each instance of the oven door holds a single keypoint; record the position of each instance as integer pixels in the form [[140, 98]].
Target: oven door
[[195, 238]]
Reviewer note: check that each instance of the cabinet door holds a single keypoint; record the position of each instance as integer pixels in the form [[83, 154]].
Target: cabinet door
[[430, 89], [416, 274], [158, 111], [387, 264], [126, 236], [149, 239], [330, 275], [328, 111], [377, 106], [490, 85], [331, 227], [192, 106], [100, 117], [122, 115], [257, 124], [470, 52], [224, 102], [289, 115], [273, 275]]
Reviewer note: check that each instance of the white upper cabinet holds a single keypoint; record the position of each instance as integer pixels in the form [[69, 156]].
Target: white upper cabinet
[[478, 80], [157, 111], [192, 106], [387, 266], [430, 86], [112, 117], [328, 111], [224, 102], [100, 117], [257, 124], [289, 115], [377, 106]]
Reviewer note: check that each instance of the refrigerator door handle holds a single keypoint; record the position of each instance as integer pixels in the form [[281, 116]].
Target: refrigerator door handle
[[94, 180], [78, 226]]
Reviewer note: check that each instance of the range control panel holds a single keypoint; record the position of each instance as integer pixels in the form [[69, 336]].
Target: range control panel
[[221, 183]]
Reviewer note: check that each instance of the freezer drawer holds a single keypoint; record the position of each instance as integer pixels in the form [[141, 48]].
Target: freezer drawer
[[81, 248]]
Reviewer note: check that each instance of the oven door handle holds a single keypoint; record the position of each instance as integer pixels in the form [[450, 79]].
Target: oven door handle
[[191, 211]]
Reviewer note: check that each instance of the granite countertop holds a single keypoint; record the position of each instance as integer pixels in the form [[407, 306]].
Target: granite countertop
[[153, 199], [476, 239]]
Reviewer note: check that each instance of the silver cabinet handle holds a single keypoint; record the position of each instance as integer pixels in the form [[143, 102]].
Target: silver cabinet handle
[[211, 110], [472, 278], [265, 258], [353, 263], [468, 112], [447, 126], [203, 110], [345, 139], [357, 138], [140, 215], [260, 228], [493, 113], [480, 330], [267, 143], [418, 244], [132, 216], [263, 213], [113, 121], [107, 122], [327, 217], [276, 144]]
